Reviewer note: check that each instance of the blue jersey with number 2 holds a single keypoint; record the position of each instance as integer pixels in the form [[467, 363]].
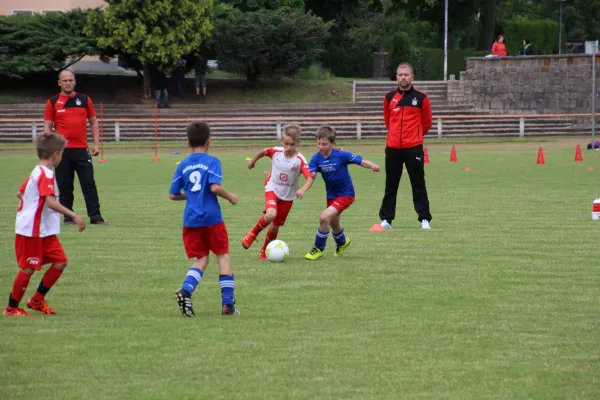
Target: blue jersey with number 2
[[194, 175]]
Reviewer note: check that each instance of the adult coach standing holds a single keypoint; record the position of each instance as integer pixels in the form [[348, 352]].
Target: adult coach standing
[[407, 116], [69, 113]]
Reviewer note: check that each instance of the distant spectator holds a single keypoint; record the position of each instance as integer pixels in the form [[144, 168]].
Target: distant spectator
[[159, 80], [499, 48], [179, 75], [200, 67], [527, 49]]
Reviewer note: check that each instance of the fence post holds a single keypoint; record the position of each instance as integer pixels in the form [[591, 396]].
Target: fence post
[[439, 128], [33, 131], [117, 131], [354, 91], [278, 129], [358, 129], [521, 127]]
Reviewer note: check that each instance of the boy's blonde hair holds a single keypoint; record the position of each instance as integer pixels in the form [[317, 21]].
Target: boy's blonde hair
[[292, 131], [49, 143], [326, 132]]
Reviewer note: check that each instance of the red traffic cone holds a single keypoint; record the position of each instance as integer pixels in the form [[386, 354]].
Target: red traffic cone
[[578, 156], [426, 156], [540, 159], [453, 157]]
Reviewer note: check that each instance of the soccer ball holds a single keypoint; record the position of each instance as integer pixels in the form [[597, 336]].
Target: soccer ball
[[277, 251]]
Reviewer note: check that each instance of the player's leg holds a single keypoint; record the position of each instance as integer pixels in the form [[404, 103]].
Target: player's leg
[[341, 241], [54, 255], [198, 84], [322, 233], [85, 172], [29, 259], [265, 220], [416, 172], [283, 210], [65, 175], [195, 241], [393, 172], [219, 245], [271, 235]]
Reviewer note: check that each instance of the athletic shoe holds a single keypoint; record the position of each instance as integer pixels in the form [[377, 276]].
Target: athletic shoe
[[230, 310], [184, 299], [386, 225], [40, 306], [314, 254], [16, 312], [98, 223], [425, 224], [248, 240], [262, 255], [339, 250]]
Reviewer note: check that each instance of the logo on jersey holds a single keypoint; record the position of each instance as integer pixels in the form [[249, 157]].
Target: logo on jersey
[[33, 261], [283, 177], [78, 102], [415, 101]]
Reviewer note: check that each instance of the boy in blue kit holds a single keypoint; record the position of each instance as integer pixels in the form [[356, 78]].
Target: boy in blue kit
[[333, 166], [200, 176]]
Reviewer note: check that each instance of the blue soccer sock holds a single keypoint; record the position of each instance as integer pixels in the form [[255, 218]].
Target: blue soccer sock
[[227, 289], [321, 239], [339, 237], [192, 279]]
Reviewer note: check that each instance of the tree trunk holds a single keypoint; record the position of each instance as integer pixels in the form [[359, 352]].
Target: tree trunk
[[147, 93], [487, 24]]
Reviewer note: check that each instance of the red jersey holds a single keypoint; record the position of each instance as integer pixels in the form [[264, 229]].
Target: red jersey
[[70, 115], [407, 116]]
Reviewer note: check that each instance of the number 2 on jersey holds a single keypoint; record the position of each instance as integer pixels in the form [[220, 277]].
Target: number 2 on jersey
[[195, 178]]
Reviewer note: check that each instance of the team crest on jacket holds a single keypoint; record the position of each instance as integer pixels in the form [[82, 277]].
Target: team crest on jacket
[[78, 102], [415, 101]]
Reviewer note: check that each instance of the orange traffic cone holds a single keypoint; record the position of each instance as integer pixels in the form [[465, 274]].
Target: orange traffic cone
[[540, 159], [578, 156], [453, 157], [377, 228], [426, 156]]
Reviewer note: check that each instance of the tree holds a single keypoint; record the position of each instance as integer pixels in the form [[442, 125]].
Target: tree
[[268, 43], [154, 31], [42, 43]]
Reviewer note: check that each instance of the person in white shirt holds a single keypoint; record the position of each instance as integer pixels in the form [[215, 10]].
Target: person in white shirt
[[281, 186], [37, 227]]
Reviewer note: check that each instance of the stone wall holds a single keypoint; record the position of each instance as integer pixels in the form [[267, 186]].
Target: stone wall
[[534, 84]]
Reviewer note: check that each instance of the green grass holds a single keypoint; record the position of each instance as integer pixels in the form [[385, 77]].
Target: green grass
[[500, 300]]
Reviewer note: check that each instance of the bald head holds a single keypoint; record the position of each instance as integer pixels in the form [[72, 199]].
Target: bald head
[[66, 81]]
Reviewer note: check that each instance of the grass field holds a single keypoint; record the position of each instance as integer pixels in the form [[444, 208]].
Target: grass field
[[500, 300]]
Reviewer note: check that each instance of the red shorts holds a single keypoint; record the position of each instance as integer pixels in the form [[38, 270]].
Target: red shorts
[[282, 207], [340, 203], [34, 252], [198, 242]]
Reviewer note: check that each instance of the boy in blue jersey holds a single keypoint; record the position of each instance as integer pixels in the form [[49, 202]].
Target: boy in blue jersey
[[333, 166], [200, 176]]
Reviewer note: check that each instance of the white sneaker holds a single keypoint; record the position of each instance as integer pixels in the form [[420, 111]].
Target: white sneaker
[[425, 224], [386, 225]]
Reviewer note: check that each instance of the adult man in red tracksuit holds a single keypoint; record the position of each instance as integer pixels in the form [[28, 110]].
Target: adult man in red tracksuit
[[407, 115], [69, 113]]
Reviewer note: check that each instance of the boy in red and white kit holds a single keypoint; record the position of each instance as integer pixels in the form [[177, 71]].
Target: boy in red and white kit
[[281, 186], [38, 223]]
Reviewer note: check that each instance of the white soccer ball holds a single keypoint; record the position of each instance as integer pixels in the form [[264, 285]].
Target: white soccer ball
[[277, 251]]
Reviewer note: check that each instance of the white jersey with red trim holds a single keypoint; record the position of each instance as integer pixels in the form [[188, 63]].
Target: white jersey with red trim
[[283, 180], [34, 217]]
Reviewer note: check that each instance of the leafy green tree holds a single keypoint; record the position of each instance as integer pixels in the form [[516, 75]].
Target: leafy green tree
[[153, 31], [268, 43], [42, 43]]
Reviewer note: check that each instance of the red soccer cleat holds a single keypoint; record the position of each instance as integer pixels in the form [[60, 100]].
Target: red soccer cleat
[[40, 306], [248, 240], [16, 312], [262, 255]]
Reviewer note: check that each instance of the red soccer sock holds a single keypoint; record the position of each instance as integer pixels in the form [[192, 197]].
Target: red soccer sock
[[20, 287], [48, 280], [270, 237], [262, 224]]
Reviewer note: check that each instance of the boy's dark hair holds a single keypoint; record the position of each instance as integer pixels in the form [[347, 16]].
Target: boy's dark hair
[[49, 143], [326, 132], [198, 133]]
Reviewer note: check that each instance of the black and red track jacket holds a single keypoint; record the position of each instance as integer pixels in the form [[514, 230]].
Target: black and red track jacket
[[407, 116]]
